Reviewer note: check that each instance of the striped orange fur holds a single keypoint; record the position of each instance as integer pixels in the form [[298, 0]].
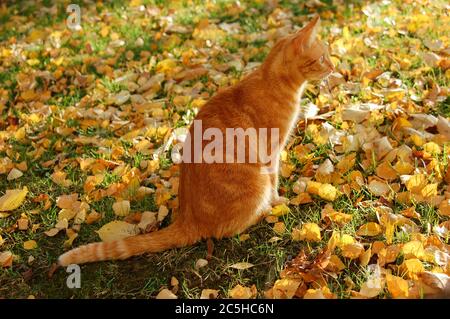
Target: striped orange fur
[[222, 200]]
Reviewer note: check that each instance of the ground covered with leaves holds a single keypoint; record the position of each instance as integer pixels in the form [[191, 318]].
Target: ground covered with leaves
[[88, 119]]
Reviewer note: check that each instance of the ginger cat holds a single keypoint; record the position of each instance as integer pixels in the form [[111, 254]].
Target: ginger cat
[[223, 199]]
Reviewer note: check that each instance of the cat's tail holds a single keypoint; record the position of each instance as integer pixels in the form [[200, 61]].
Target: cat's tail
[[175, 235]]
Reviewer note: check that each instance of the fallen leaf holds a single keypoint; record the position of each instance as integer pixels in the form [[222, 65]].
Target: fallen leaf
[[285, 288], [413, 249], [209, 294], [14, 174], [12, 199], [29, 245], [308, 232], [166, 294], [352, 251], [412, 267], [280, 210], [279, 228], [242, 265], [397, 286], [369, 229], [241, 292], [121, 208], [6, 259], [147, 219], [200, 263], [117, 230], [374, 284]]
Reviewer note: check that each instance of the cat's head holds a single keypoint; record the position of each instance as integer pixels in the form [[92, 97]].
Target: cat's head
[[306, 55]]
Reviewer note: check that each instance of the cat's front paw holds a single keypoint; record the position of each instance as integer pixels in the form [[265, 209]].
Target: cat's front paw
[[278, 200]]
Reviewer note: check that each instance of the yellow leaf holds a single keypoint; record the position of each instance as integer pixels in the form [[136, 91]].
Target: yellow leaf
[[378, 188], [328, 192], [364, 258], [59, 177], [20, 134], [386, 171], [285, 288], [29, 244], [334, 240], [345, 240], [346, 163], [166, 294], [432, 148], [413, 249], [369, 229], [104, 31], [389, 231], [388, 255], [165, 66], [352, 251], [308, 232], [241, 292], [66, 214], [242, 265], [313, 187], [429, 190], [397, 286], [279, 228], [314, 294], [280, 210], [335, 264], [336, 217], [302, 198], [66, 201], [14, 174], [403, 168], [209, 294], [412, 267], [444, 207], [72, 235], [121, 208], [416, 183], [12, 199], [6, 259], [286, 169], [117, 230]]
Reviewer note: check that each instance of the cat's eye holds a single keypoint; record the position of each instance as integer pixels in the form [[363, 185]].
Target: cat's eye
[[321, 59]]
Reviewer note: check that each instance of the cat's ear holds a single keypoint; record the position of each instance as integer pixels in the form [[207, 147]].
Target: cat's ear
[[308, 34]]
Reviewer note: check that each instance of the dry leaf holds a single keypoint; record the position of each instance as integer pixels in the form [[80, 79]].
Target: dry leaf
[[241, 292], [369, 229], [209, 294], [280, 210], [117, 230], [397, 286], [279, 228], [285, 288], [242, 265], [166, 294], [121, 208], [6, 259], [12, 199], [200, 263], [29, 245], [308, 232], [14, 174], [352, 251]]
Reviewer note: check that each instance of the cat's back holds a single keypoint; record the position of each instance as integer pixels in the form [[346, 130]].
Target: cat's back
[[229, 104]]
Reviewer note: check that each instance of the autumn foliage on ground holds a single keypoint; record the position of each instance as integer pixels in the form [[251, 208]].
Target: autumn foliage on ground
[[88, 119]]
